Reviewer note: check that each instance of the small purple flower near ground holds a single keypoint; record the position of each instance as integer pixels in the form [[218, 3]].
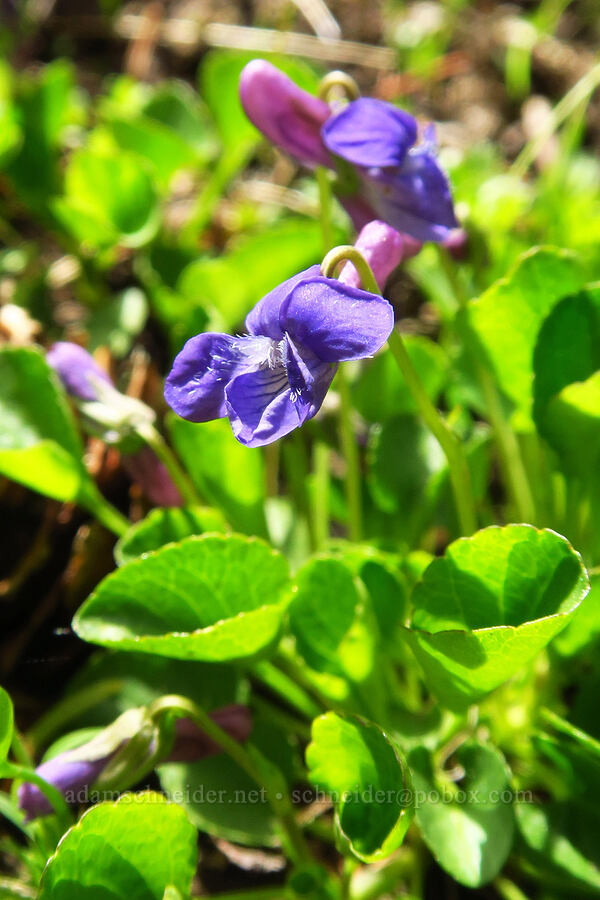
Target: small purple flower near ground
[[275, 378], [72, 774], [382, 172], [81, 375]]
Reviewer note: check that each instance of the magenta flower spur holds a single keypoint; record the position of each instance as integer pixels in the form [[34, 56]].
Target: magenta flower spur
[[383, 173], [275, 378]]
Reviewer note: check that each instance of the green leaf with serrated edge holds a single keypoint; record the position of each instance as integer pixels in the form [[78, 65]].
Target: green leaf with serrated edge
[[39, 445], [505, 319], [360, 767], [6, 725], [133, 848], [381, 392], [211, 598], [567, 382], [489, 605], [164, 526], [228, 474], [468, 826]]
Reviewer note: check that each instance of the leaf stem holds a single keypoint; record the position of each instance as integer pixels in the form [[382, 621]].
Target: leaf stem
[[280, 804], [453, 449], [181, 481], [325, 207], [91, 498], [321, 487], [350, 451], [460, 476]]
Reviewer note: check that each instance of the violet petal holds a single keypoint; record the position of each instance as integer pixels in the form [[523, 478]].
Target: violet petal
[[369, 132], [335, 321], [290, 117]]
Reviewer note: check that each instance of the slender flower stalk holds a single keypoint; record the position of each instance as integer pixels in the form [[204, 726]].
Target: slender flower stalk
[[457, 462]]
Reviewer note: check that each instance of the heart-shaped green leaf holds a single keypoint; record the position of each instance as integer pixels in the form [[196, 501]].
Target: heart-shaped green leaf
[[165, 526], [360, 767], [212, 598], [507, 317], [39, 445], [109, 199], [489, 605], [322, 613], [134, 848], [567, 382], [469, 826]]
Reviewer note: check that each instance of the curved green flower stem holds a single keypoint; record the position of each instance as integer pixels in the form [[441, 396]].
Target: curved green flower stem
[[91, 498], [280, 804], [350, 450], [457, 461], [509, 451], [580, 93], [52, 795], [181, 481], [20, 751], [324, 185], [347, 435], [321, 459], [460, 476], [338, 82]]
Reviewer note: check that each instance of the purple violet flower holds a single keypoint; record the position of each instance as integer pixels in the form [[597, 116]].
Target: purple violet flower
[[82, 377], [275, 378], [73, 774], [371, 145]]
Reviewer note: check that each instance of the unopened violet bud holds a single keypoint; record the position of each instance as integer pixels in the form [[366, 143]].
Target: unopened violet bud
[[290, 117], [384, 249], [146, 470], [113, 416], [69, 776], [382, 170], [192, 744], [77, 370]]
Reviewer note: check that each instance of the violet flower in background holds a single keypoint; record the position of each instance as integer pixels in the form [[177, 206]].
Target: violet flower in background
[[83, 377], [72, 773], [383, 173], [275, 378]]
